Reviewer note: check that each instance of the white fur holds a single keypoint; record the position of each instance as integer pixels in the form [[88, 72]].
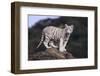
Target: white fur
[[52, 33]]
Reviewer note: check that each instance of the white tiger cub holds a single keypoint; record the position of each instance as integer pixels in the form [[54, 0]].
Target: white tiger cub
[[54, 34]]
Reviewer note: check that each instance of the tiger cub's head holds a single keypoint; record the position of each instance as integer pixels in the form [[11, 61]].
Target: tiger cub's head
[[69, 29]]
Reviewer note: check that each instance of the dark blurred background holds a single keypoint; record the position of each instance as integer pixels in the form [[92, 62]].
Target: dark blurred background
[[78, 41]]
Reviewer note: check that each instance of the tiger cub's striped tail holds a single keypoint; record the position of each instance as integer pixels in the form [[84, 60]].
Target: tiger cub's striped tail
[[41, 40]]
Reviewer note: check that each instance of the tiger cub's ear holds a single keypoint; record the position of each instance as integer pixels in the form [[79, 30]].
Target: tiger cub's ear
[[72, 26], [66, 25]]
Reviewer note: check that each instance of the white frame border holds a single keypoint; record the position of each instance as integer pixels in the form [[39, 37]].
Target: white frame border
[[25, 64]]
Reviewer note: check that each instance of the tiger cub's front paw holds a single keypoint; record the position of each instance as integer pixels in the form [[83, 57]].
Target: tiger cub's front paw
[[65, 50]]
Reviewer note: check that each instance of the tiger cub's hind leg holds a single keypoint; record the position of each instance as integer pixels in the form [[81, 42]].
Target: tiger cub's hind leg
[[52, 44], [46, 41]]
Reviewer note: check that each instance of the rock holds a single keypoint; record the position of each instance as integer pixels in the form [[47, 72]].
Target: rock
[[55, 53], [50, 54], [69, 56], [60, 55]]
